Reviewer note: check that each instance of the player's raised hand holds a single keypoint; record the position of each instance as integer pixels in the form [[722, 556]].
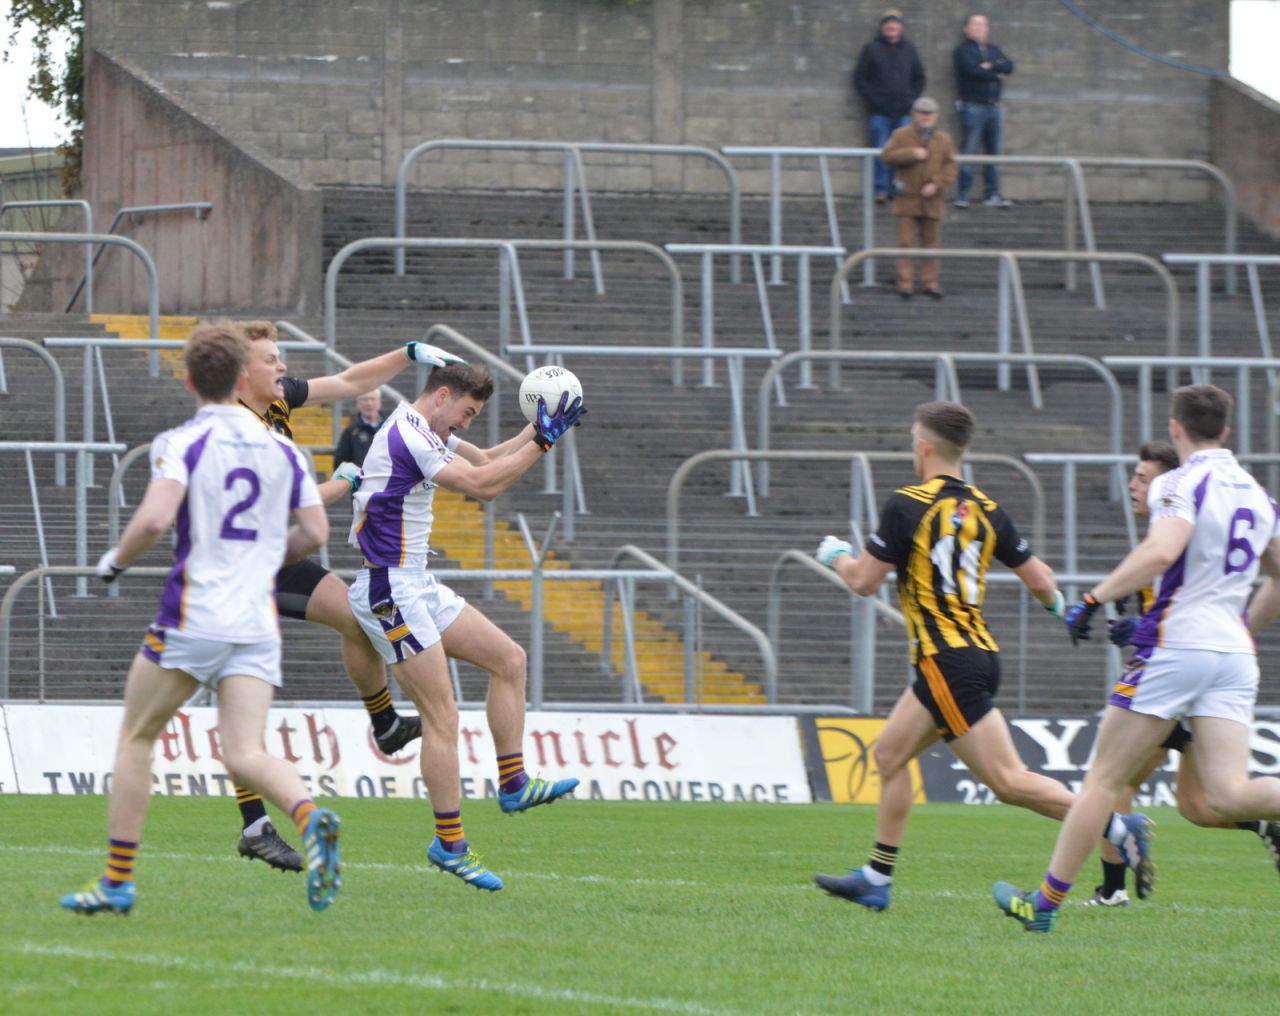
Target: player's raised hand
[[350, 472], [831, 549], [1079, 618], [431, 356], [108, 570], [549, 427]]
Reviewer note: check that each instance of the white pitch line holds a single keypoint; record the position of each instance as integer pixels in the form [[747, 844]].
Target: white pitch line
[[374, 977]]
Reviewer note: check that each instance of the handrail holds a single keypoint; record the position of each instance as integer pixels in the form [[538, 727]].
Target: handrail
[[85, 207], [946, 385], [1251, 263], [678, 478], [509, 248], [767, 657], [573, 166], [59, 400], [201, 208], [1015, 256]]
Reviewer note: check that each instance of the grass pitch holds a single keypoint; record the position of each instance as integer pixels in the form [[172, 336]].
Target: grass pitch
[[617, 907]]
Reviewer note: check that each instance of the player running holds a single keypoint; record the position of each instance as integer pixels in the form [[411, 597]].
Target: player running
[[416, 622], [229, 486], [940, 535], [1156, 458], [1212, 529], [305, 590]]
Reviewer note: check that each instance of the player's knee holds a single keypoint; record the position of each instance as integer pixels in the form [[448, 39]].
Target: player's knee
[[514, 663], [1196, 811], [442, 718], [890, 757]]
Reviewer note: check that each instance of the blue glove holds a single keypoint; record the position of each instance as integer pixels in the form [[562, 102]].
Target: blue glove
[[550, 427], [350, 472], [431, 356], [831, 549], [1120, 630], [1079, 618]]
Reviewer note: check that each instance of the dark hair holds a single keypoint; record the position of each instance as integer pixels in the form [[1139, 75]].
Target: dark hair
[[1203, 411], [1160, 452], [215, 356], [461, 379], [951, 422]]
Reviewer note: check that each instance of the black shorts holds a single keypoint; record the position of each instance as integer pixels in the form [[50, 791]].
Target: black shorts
[[957, 686], [294, 585], [1178, 739]]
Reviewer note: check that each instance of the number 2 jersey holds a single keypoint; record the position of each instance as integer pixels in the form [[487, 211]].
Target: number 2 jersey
[[940, 535], [241, 483], [1201, 597]]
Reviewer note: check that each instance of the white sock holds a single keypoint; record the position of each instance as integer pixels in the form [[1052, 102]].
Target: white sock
[[875, 877], [1116, 830], [255, 828]]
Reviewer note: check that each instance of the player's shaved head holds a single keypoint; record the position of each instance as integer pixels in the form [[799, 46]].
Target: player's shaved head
[[255, 330], [949, 425], [215, 356], [1202, 410], [461, 379]]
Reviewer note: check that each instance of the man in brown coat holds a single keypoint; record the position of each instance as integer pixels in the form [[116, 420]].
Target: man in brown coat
[[926, 164]]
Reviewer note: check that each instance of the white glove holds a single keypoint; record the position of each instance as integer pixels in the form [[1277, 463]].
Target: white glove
[[350, 472], [108, 570], [432, 356], [1059, 606], [830, 549]]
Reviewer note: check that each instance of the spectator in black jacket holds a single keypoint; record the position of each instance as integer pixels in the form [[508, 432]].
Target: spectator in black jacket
[[353, 446], [889, 77], [980, 72]]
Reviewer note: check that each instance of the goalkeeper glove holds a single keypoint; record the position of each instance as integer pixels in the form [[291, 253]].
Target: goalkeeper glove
[[108, 570], [830, 549], [431, 356], [350, 472], [1079, 618], [1059, 605], [1120, 630], [550, 427]]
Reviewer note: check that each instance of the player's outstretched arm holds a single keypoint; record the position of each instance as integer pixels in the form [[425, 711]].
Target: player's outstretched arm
[[478, 456], [1166, 539], [151, 521], [344, 482], [863, 574], [309, 530], [370, 374], [1265, 605], [1041, 583]]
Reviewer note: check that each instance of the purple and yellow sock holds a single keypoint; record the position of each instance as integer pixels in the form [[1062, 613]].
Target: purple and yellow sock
[[301, 813], [381, 712], [449, 831], [251, 806], [121, 855], [511, 774], [1051, 893]]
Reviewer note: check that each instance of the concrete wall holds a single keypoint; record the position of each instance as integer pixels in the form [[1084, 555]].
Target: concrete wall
[[260, 246], [339, 91], [1246, 144]]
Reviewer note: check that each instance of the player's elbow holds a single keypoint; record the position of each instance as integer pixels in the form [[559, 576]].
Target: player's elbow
[[155, 526]]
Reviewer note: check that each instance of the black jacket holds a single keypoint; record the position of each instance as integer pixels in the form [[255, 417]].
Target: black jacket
[[889, 78], [975, 83], [354, 444]]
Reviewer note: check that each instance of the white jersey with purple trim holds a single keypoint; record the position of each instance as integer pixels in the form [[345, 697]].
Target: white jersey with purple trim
[[392, 509], [1200, 599], [242, 482]]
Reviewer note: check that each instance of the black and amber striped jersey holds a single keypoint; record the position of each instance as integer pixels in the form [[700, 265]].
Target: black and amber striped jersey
[[276, 417], [940, 535]]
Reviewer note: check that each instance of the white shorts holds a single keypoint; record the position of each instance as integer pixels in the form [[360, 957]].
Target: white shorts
[[1173, 683], [402, 610], [209, 661]]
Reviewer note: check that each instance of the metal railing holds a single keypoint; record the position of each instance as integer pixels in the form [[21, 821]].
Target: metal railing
[[1251, 264], [803, 256], [59, 400], [85, 207], [1010, 286], [946, 386], [201, 208], [509, 278], [574, 182]]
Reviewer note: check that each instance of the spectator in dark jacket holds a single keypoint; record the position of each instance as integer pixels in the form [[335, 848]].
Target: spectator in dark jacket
[[980, 72], [889, 77], [353, 446]]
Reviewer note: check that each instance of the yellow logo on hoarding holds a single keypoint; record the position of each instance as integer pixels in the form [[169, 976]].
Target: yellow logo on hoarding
[[851, 769]]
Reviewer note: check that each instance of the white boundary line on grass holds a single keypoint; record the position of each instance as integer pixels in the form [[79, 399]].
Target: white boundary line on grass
[[372, 977]]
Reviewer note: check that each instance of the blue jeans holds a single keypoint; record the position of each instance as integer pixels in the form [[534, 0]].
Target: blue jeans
[[981, 127], [878, 130]]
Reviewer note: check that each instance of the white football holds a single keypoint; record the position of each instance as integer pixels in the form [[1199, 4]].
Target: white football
[[550, 383]]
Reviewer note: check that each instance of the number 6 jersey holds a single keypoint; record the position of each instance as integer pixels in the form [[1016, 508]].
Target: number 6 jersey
[[241, 483], [1201, 597]]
